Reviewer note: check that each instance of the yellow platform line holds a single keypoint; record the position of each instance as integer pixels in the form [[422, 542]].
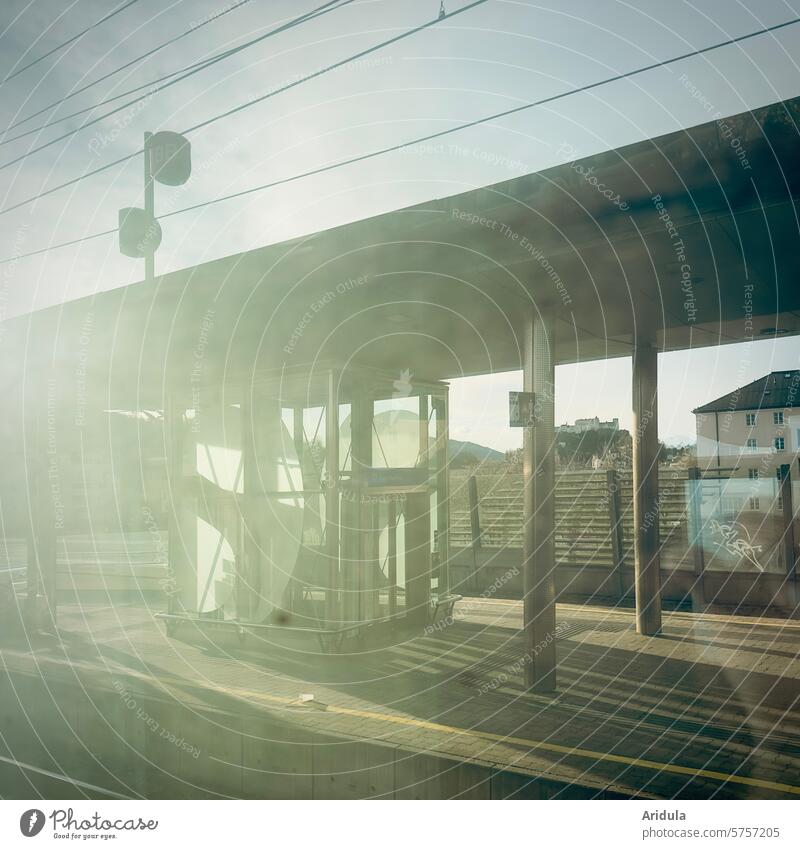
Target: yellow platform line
[[533, 745]]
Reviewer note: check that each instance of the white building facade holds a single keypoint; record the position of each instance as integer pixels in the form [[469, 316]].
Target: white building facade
[[754, 429]]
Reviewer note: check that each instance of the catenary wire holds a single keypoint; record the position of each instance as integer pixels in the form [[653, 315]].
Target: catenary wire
[[69, 41], [392, 148], [242, 106]]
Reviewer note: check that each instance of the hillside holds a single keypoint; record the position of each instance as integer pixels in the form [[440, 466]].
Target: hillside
[[464, 454]]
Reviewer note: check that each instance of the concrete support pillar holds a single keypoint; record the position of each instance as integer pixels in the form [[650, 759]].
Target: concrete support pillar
[[645, 489], [392, 555], [442, 494], [694, 501], [174, 426], [788, 538], [539, 610], [332, 611], [251, 571], [418, 557], [43, 479], [356, 520]]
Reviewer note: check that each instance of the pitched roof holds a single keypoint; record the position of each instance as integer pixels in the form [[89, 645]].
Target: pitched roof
[[778, 389]]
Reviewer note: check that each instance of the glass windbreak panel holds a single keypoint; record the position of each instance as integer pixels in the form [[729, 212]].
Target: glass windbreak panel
[[375, 561], [345, 452], [434, 519], [212, 442], [286, 513], [675, 551], [400, 579], [201, 576], [433, 445], [791, 432], [215, 562], [290, 450], [125, 471], [398, 436], [288, 446], [315, 461], [433, 464], [290, 579], [391, 562], [741, 524], [795, 486]]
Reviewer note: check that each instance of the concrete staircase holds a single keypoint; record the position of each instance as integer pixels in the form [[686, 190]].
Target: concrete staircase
[[583, 516]]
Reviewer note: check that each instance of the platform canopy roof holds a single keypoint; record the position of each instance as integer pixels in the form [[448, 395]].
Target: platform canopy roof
[[691, 236]]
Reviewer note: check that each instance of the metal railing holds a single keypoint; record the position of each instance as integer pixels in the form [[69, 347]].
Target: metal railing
[[594, 515]]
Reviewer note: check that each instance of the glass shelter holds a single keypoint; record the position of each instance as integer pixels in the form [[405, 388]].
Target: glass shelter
[[309, 500]]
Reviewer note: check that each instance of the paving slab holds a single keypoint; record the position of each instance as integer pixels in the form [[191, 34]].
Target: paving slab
[[707, 709]]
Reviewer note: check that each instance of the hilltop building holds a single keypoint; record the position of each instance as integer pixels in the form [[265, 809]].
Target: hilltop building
[[584, 425]]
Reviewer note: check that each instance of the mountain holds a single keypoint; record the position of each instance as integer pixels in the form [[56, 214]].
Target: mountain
[[679, 440], [469, 453], [398, 429]]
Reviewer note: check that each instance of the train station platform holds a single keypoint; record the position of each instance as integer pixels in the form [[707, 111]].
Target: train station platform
[[113, 707]]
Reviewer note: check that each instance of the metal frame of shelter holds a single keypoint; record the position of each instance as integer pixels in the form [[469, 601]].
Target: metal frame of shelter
[[431, 289], [312, 500]]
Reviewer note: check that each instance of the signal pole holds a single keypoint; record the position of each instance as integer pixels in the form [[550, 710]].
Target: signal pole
[[168, 160], [149, 208]]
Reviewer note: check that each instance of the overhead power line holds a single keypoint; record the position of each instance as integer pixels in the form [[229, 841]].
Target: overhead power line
[[469, 124], [129, 156], [245, 105], [242, 106], [198, 64], [421, 139], [93, 106], [77, 241], [74, 38], [192, 69]]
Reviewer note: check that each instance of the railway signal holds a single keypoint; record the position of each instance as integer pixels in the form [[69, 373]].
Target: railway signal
[[168, 160]]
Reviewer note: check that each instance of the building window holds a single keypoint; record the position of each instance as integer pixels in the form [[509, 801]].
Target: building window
[[779, 443], [755, 502], [779, 496], [751, 445], [750, 418], [777, 418]]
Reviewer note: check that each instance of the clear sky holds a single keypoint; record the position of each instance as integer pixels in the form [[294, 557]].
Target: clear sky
[[498, 55], [687, 379]]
